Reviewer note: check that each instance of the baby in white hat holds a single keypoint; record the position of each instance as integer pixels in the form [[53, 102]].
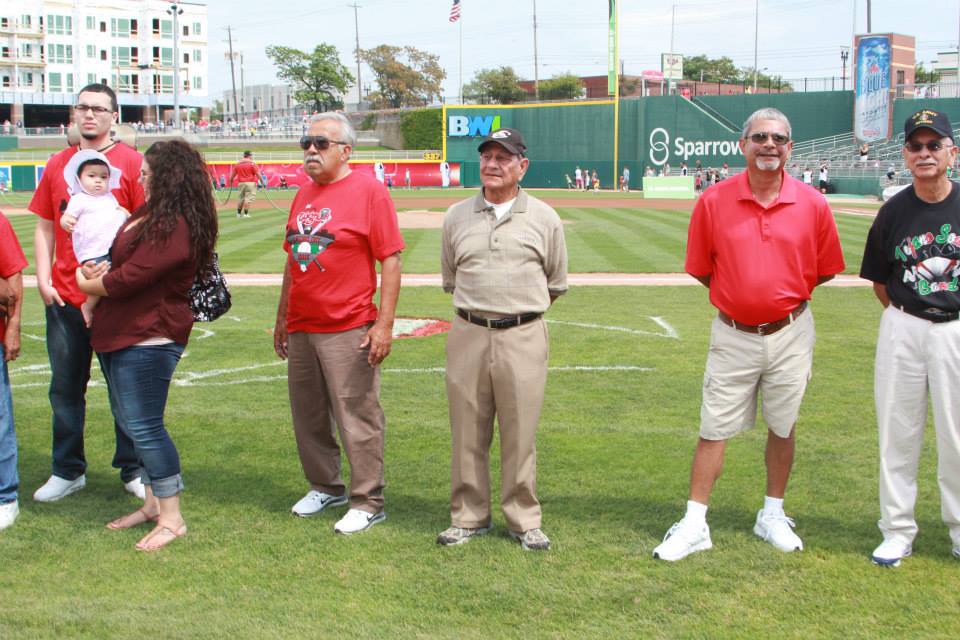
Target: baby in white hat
[[93, 214]]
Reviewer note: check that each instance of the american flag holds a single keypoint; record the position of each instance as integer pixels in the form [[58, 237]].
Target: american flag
[[455, 11]]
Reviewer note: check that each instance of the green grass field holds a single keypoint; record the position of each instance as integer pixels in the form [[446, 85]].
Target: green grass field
[[615, 443]]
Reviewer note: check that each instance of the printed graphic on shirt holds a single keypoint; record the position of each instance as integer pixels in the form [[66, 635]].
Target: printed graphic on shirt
[[931, 262], [308, 241]]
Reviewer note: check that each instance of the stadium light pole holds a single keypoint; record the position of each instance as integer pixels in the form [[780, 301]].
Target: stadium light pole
[[356, 27], [536, 76], [843, 67], [176, 12], [756, 40]]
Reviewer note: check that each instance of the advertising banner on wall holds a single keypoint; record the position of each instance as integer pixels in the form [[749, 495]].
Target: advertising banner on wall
[[873, 101]]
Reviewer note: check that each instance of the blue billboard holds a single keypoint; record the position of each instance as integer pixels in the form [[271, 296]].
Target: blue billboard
[[872, 104]]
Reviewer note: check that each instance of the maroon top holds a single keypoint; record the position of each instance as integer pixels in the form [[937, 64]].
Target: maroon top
[[147, 290]]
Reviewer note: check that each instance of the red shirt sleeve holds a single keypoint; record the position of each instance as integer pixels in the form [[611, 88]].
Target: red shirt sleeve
[[41, 203], [385, 237], [12, 260], [699, 260], [829, 252]]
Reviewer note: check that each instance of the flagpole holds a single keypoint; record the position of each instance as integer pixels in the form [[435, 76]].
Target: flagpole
[[460, 27]]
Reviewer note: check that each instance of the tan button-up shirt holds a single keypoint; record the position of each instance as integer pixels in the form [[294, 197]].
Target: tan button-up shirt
[[503, 267]]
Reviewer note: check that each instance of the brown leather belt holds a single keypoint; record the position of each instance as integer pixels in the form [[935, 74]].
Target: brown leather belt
[[498, 323], [766, 328]]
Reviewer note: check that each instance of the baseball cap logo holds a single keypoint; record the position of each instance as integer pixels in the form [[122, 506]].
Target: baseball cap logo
[[500, 134]]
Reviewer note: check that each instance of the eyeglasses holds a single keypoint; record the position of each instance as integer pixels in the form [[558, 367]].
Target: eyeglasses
[[321, 143], [933, 146], [97, 111], [761, 136]]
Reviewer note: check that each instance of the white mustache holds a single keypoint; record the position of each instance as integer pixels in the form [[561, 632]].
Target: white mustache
[[313, 158]]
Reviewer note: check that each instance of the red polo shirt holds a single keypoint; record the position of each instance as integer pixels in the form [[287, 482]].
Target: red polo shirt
[[247, 171], [762, 261]]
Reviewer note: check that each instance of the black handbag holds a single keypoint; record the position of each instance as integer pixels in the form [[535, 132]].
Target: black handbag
[[209, 295]]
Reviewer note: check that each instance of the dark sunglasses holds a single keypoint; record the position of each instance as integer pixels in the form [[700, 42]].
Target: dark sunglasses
[[320, 143], [933, 145], [761, 136]]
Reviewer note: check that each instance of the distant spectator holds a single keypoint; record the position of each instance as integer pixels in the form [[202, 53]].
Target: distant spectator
[[864, 152]]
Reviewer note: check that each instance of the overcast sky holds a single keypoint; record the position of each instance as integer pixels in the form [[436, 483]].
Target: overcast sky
[[797, 38]]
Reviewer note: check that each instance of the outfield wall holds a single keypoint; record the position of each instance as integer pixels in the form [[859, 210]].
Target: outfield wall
[[653, 131]]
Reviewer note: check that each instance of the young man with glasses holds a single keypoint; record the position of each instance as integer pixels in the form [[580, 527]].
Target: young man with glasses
[[912, 256], [328, 329], [68, 338], [760, 242]]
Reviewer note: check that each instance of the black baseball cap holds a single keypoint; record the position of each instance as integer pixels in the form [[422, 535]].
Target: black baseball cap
[[509, 139], [247, 154], [928, 119]]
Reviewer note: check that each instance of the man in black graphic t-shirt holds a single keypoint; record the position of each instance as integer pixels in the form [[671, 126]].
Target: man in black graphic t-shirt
[[913, 258]]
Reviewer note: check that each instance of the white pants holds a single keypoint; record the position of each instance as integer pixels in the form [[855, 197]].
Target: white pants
[[916, 357]]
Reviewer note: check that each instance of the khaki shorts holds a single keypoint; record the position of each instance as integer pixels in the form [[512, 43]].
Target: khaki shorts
[[247, 192], [741, 367]]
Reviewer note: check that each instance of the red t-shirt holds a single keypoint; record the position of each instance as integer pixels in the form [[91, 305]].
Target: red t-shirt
[[148, 288], [247, 171], [337, 232], [762, 262], [12, 260], [51, 198]]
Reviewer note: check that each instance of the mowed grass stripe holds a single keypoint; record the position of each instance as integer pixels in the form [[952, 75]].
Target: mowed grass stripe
[[624, 240]]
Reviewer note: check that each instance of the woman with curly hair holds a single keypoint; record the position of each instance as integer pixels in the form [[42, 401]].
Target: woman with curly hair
[[141, 326]]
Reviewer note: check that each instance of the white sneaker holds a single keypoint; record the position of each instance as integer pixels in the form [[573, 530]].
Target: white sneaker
[[135, 487], [683, 538], [357, 520], [891, 552], [777, 529], [315, 502], [8, 514], [56, 488]]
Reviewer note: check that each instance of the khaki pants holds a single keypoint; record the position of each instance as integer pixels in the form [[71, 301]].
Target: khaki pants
[[247, 193], [330, 382], [500, 373]]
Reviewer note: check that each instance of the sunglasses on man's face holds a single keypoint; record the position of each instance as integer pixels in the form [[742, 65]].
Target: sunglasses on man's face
[[320, 143], [933, 146], [760, 137]]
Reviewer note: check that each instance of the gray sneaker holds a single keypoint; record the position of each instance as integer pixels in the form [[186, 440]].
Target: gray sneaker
[[532, 539], [460, 535]]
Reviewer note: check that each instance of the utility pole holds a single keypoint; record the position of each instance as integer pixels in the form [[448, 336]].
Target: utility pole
[[843, 67], [243, 90], [869, 16], [536, 77], [673, 24], [233, 79], [356, 25]]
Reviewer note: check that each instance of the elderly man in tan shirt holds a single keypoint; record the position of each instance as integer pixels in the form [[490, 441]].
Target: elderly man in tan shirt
[[505, 261]]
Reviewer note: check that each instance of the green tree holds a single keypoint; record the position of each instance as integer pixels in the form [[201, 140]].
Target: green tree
[[499, 85], [565, 86], [765, 81], [923, 76], [318, 78], [405, 76], [711, 70]]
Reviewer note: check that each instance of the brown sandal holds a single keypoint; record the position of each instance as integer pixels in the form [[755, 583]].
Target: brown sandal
[[168, 534], [138, 517]]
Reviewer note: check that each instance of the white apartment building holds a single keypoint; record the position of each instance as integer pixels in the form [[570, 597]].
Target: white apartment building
[[50, 49]]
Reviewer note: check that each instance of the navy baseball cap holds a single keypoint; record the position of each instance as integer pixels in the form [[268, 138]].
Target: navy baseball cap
[[509, 139], [928, 119]]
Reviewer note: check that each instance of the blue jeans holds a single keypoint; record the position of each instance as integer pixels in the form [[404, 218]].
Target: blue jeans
[[9, 480], [68, 346], [139, 379]]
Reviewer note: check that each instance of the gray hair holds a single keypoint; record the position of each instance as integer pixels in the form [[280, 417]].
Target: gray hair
[[347, 134], [767, 113]]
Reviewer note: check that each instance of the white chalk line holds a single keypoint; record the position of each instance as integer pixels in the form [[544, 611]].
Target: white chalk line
[[668, 331]]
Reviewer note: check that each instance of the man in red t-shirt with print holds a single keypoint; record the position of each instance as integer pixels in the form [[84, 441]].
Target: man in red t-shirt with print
[[760, 241], [68, 338], [334, 338], [247, 174]]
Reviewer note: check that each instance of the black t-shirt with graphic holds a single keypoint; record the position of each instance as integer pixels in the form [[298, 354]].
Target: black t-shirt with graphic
[[914, 248]]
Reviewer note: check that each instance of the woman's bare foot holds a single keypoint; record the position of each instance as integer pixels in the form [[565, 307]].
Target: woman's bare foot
[[134, 519], [161, 536]]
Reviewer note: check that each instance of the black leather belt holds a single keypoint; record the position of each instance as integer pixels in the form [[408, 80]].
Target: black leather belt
[[498, 323], [932, 314], [766, 328]]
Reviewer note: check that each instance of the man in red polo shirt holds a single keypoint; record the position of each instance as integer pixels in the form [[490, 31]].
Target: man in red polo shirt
[[760, 242], [68, 338], [247, 174]]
